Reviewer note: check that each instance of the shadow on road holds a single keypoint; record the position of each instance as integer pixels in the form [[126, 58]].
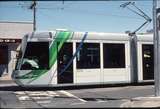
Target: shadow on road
[[68, 87]]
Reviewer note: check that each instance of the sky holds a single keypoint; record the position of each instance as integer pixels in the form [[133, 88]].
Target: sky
[[95, 16]]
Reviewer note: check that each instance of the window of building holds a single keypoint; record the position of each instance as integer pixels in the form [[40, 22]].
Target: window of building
[[114, 55], [3, 54], [89, 56], [36, 56]]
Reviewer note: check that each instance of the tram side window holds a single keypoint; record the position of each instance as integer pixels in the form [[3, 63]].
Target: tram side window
[[89, 56], [114, 55], [36, 56]]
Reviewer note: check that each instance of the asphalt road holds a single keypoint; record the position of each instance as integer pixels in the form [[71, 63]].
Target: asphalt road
[[77, 98]]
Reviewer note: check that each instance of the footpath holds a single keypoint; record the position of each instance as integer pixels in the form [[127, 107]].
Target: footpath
[[143, 102]]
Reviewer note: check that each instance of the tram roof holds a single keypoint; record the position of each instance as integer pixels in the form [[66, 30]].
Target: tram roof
[[145, 37], [47, 35]]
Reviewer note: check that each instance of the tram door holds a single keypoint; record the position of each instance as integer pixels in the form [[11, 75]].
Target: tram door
[[148, 61], [64, 56]]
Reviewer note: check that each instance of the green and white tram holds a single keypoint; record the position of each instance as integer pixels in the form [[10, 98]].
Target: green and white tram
[[73, 58]]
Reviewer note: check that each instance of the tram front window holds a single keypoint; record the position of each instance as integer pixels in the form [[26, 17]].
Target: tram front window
[[36, 56]]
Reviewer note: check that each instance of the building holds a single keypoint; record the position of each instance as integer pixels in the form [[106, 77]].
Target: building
[[11, 34]]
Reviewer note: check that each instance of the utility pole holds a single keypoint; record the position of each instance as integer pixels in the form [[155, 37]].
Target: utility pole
[[33, 7], [156, 28]]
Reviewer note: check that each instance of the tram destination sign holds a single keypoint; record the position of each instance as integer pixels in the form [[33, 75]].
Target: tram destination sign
[[3, 40]]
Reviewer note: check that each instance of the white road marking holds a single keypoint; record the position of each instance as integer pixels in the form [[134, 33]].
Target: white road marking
[[101, 101], [42, 94], [71, 95], [22, 98], [34, 92], [44, 101], [37, 93], [20, 93], [52, 93], [41, 98], [77, 103]]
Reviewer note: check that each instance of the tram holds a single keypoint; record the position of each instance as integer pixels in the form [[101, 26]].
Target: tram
[[63, 57]]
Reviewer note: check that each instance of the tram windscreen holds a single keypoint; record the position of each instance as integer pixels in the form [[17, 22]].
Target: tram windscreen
[[36, 56]]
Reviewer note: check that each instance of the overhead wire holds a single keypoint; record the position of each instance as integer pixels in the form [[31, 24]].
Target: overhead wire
[[84, 11], [68, 6], [145, 27], [75, 9], [51, 16]]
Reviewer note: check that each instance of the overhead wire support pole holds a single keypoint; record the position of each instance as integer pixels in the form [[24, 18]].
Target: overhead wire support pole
[[144, 14], [156, 48], [140, 27], [137, 13], [33, 6], [125, 5]]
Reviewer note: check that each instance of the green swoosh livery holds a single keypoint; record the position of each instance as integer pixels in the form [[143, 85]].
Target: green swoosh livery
[[61, 38]]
